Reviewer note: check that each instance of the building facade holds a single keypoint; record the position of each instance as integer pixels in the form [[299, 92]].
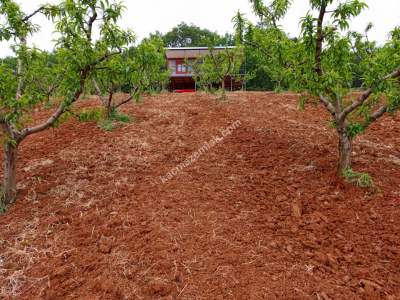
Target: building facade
[[179, 63]]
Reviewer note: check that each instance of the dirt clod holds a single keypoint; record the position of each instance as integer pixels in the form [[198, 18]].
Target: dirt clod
[[297, 208], [105, 244]]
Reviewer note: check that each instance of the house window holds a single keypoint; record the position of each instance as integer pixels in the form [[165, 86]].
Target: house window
[[172, 66], [181, 67]]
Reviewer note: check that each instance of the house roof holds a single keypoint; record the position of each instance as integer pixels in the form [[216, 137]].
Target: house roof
[[191, 52]]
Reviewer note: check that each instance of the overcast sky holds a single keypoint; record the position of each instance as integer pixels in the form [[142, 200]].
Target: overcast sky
[[148, 16]]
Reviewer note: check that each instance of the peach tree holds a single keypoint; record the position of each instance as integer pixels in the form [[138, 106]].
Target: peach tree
[[217, 65], [139, 69], [78, 55], [326, 60], [266, 43]]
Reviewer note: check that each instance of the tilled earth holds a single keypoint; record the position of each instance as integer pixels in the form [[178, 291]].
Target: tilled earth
[[259, 215]]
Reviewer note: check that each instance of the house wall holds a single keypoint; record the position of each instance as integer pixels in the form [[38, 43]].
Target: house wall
[[178, 68], [182, 78]]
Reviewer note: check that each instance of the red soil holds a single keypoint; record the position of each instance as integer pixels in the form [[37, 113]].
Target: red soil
[[259, 216]]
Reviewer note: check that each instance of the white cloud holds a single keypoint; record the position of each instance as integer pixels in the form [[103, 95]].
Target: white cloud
[[148, 16]]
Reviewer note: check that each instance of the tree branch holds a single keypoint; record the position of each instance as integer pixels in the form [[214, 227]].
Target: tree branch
[[109, 99], [123, 102], [96, 87], [328, 105], [20, 70], [392, 75], [50, 121], [357, 103], [377, 114], [60, 110], [106, 56], [365, 95], [320, 39], [33, 14], [99, 92], [92, 19]]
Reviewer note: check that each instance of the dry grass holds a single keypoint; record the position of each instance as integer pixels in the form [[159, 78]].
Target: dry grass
[[23, 254]]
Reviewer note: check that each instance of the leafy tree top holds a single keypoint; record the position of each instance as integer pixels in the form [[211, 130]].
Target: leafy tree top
[[326, 60], [185, 35], [77, 56], [137, 70]]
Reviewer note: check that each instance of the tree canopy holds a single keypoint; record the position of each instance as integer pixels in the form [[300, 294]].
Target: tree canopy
[[190, 35], [219, 64], [139, 69], [326, 60], [36, 75]]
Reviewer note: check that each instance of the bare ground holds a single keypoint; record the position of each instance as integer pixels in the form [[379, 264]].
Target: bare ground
[[259, 216]]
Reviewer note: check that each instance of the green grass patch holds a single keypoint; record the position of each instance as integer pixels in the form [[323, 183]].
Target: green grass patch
[[2, 208], [363, 180], [90, 115], [106, 125], [98, 115], [120, 117], [301, 105]]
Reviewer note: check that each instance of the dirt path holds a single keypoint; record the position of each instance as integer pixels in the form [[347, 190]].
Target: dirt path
[[94, 219]]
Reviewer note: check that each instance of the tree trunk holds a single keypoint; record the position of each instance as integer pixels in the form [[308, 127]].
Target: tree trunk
[[223, 96], [96, 88], [20, 70], [345, 152], [109, 110], [109, 104], [10, 172]]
